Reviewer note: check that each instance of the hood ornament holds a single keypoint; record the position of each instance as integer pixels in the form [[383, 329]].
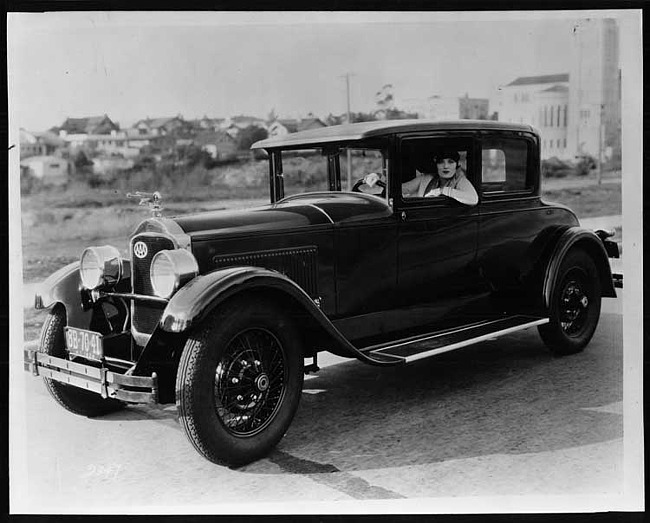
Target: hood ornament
[[153, 200]]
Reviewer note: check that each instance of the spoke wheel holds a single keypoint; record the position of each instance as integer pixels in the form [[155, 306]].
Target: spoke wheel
[[239, 381], [575, 305], [249, 383], [76, 400]]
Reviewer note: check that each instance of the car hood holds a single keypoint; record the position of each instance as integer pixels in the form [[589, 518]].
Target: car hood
[[291, 213]]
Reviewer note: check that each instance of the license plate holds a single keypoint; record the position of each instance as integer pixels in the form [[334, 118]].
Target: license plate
[[87, 344]]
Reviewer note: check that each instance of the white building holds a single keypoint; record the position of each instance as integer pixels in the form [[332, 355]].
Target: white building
[[541, 101], [52, 170], [577, 112], [39, 144], [594, 95]]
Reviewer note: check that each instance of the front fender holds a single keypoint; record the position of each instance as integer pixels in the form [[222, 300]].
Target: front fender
[[194, 301], [590, 242], [64, 286]]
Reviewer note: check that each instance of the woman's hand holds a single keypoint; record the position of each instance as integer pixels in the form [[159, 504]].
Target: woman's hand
[[445, 191], [371, 179]]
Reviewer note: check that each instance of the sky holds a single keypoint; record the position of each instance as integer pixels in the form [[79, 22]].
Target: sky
[[137, 65]]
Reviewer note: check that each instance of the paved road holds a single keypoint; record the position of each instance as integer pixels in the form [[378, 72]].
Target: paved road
[[499, 418]]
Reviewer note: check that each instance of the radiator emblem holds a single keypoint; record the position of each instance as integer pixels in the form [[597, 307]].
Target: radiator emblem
[[140, 249]]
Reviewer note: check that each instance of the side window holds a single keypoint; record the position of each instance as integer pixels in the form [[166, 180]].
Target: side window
[[504, 166], [422, 166]]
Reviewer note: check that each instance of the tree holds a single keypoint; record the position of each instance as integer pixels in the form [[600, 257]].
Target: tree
[[334, 120], [384, 98], [82, 164], [362, 117], [249, 136], [396, 114]]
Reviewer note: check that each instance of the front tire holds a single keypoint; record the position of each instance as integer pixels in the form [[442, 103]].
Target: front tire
[[74, 399], [575, 305], [239, 382]]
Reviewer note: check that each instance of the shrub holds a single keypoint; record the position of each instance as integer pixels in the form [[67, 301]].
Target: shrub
[[556, 168], [585, 165], [29, 184]]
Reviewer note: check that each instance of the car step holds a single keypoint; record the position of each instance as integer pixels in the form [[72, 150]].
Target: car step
[[431, 344]]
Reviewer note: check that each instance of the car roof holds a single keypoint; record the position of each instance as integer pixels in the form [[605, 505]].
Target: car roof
[[362, 130]]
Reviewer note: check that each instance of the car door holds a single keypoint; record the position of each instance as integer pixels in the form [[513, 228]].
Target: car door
[[366, 252], [437, 236]]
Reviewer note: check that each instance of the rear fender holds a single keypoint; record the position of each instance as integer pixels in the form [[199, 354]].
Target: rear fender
[[194, 301], [577, 237]]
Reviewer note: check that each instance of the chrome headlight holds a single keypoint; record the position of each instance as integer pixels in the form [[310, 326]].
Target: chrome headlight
[[100, 266], [170, 270]]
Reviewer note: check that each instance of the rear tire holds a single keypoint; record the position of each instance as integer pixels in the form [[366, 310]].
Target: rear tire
[[74, 399], [239, 382], [575, 305]]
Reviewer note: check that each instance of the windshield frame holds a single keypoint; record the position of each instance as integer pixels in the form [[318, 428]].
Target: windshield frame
[[335, 173]]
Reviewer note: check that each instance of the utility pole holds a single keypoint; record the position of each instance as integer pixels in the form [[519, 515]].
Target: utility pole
[[600, 143], [347, 86]]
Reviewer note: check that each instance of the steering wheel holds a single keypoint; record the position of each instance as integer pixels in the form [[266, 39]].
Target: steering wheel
[[379, 183]]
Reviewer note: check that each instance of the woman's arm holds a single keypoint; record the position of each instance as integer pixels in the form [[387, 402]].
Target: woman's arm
[[464, 193], [411, 187]]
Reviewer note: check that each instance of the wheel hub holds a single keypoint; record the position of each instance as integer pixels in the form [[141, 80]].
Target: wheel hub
[[249, 382], [574, 306], [262, 382]]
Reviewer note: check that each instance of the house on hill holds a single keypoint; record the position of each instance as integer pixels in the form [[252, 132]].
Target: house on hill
[[51, 170], [87, 125], [235, 124], [86, 132], [281, 127], [162, 126], [39, 144], [219, 144], [306, 124], [207, 124]]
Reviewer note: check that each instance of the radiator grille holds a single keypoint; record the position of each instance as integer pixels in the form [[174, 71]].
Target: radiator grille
[[146, 315], [299, 264]]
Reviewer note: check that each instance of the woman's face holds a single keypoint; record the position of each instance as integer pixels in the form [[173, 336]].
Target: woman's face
[[446, 167]]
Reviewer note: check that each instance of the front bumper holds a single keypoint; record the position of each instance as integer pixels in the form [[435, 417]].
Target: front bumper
[[108, 384]]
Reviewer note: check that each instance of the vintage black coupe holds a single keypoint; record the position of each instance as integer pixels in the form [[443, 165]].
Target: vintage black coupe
[[223, 312]]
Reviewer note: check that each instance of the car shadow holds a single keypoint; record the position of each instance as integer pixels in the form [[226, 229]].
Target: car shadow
[[509, 396], [163, 413]]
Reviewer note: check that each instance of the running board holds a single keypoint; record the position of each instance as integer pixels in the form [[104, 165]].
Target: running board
[[427, 345]]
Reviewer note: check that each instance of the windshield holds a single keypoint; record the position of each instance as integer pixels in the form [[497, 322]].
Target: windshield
[[307, 170]]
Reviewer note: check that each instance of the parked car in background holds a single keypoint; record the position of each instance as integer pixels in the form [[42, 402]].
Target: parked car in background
[[223, 312]]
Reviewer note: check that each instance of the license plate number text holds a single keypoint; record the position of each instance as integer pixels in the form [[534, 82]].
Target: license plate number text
[[84, 343]]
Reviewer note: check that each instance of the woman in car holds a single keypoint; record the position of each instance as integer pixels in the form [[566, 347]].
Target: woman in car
[[449, 181]]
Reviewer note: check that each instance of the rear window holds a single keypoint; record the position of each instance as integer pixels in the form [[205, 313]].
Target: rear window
[[504, 166]]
